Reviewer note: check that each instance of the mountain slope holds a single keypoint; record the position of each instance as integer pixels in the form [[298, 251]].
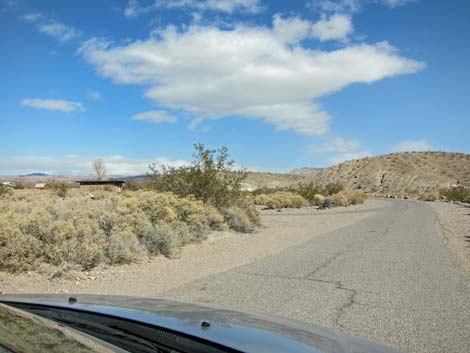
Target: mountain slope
[[400, 172]]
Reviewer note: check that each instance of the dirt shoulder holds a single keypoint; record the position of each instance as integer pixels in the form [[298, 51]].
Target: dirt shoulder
[[221, 252], [454, 221]]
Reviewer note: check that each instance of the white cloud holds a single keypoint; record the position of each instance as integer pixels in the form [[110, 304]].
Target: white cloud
[[351, 6], [155, 116], [95, 95], [32, 17], [395, 3], [340, 150], [53, 104], [412, 146], [59, 31], [134, 8], [79, 165], [334, 27], [252, 72], [335, 145], [228, 6], [55, 29]]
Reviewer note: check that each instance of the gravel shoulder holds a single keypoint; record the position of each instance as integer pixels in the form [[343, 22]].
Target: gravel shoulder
[[454, 221], [221, 252]]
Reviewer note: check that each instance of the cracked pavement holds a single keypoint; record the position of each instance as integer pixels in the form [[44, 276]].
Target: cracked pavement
[[390, 278]]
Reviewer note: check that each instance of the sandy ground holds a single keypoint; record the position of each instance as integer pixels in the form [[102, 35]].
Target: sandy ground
[[454, 223], [221, 252]]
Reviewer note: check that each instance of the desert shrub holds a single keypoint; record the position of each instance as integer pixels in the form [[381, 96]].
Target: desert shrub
[[333, 188], [216, 219], [79, 230], [77, 240], [133, 185], [456, 194], [238, 220], [59, 187], [251, 211], [262, 199], [339, 199], [210, 178], [18, 251], [167, 238], [357, 198], [319, 200], [4, 191], [308, 191], [429, 196], [124, 247], [283, 199]]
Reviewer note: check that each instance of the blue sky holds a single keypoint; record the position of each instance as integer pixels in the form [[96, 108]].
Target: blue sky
[[283, 84]]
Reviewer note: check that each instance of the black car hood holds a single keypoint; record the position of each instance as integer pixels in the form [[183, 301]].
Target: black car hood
[[246, 332]]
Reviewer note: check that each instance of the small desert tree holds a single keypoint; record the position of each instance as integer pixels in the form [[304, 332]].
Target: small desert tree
[[211, 177], [99, 168]]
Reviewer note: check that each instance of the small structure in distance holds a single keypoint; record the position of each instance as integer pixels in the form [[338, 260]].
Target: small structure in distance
[[109, 185]]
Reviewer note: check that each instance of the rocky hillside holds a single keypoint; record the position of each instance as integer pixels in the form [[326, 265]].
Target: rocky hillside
[[400, 172], [257, 180]]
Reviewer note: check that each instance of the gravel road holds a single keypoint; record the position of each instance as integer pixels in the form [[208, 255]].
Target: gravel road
[[389, 277]]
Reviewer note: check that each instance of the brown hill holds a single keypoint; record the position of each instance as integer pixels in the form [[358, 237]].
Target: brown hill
[[400, 172], [257, 180]]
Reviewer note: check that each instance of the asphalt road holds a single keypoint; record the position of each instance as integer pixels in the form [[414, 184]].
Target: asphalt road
[[390, 278]]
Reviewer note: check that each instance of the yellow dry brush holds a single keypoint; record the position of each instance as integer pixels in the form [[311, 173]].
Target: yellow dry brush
[[86, 230]]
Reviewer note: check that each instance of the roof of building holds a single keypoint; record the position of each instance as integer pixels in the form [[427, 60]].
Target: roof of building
[[101, 182]]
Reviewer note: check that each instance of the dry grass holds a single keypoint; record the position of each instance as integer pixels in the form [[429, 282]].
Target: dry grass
[[345, 199], [77, 229], [281, 199]]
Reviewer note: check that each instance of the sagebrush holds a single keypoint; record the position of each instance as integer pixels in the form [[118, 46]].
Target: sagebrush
[[74, 228]]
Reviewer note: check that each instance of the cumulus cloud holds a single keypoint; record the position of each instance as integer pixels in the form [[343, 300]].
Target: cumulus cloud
[[155, 116], [334, 27], [134, 8], [250, 72], [412, 146], [340, 150], [59, 105], [79, 165], [55, 29]]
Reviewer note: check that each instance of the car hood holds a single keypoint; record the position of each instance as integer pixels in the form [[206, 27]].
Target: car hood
[[246, 332]]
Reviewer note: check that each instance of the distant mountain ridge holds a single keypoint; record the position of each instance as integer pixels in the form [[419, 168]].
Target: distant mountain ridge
[[306, 171], [33, 175]]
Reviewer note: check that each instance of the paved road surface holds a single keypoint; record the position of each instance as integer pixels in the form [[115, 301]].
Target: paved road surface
[[390, 278]]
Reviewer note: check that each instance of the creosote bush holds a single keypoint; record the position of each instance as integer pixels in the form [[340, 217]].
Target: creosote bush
[[75, 229], [210, 178], [456, 194]]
